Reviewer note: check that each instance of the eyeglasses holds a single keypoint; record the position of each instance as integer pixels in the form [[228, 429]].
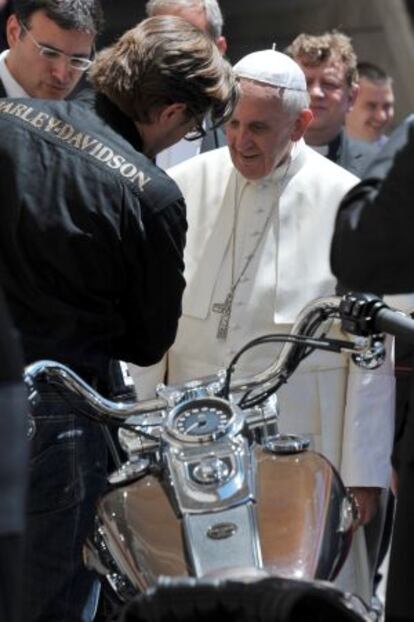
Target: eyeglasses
[[79, 63], [197, 130]]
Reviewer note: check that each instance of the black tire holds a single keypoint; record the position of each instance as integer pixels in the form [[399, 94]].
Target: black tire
[[269, 600]]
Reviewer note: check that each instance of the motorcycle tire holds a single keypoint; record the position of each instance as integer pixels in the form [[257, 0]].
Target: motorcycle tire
[[268, 600]]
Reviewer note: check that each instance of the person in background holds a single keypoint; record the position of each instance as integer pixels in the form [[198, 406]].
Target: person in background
[[206, 15], [91, 245], [329, 63], [373, 111], [369, 119], [255, 210], [51, 44]]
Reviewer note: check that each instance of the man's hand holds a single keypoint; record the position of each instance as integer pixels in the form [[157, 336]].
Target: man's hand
[[366, 500]]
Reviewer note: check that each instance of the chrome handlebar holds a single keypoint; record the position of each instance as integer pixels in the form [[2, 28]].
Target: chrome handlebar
[[54, 371], [57, 372]]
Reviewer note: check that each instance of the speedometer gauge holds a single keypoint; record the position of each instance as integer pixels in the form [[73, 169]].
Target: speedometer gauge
[[201, 419]]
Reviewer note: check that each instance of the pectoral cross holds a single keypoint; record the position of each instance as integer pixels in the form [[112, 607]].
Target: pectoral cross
[[224, 308]]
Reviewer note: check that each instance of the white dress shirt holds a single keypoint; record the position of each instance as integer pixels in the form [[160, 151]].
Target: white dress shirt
[[181, 151], [11, 86]]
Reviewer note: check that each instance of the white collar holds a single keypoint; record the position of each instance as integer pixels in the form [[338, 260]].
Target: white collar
[[212, 233], [11, 86], [284, 170], [322, 149]]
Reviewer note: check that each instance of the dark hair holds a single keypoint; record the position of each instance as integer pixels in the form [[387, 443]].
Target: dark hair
[[166, 60], [314, 50], [84, 15], [372, 72]]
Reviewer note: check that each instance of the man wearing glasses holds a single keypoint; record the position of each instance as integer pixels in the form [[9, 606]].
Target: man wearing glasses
[[51, 45], [206, 15]]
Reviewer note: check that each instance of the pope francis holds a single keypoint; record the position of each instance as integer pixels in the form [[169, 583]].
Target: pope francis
[[261, 213]]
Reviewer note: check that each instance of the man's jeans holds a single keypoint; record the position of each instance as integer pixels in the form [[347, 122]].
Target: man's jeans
[[67, 476]]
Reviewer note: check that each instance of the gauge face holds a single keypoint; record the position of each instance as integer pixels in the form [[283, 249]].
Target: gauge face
[[201, 421]]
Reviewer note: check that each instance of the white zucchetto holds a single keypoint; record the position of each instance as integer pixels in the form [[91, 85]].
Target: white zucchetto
[[271, 67]]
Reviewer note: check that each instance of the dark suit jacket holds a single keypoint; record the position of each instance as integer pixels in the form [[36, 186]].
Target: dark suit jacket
[[383, 161], [214, 139], [353, 155], [404, 353]]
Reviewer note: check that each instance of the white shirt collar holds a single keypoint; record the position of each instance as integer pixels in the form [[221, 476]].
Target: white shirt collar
[[181, 151], [284, 170], [11, 86], [322, 149]]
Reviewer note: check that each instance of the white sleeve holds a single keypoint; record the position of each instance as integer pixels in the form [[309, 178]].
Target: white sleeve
[[369, 424], [146, 378]]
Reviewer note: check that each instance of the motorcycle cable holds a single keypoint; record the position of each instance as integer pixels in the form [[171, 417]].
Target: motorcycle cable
[[299, 353], [306, 344], [302, 350], [257, 399], [247, 402], [271, 338]]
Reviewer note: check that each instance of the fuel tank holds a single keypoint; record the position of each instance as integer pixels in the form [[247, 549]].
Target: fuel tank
[[299, 526]]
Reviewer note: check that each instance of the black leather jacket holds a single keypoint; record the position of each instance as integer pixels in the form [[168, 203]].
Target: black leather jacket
[[91, 235], [372, 244]]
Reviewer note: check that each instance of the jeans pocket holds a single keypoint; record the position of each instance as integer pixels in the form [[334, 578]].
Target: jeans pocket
[[55, 483]]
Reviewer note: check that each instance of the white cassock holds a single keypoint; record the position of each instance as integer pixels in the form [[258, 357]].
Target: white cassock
[[348, 413]]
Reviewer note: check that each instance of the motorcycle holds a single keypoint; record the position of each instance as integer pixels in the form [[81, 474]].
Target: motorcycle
[[205, 497]]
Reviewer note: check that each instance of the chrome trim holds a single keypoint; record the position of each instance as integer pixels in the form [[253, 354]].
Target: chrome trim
[[193, 389], [346, 517], [191, 495], [56, 372], [97, 557], [129, 472], [371, 357], [287, 444], [133, 442], [211, 470], [222, 531], [262, 420], [240, 548]]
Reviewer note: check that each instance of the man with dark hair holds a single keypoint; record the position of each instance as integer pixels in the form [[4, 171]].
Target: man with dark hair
[[92, 238], [206, 15], [51, 45], [329, 63], [373, 110], [5, 12]]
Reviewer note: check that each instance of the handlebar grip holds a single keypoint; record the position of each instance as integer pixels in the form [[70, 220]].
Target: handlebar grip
[[395, 323]]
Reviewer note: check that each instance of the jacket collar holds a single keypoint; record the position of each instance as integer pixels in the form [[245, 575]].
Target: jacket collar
[[113, 116], [336, 147]]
